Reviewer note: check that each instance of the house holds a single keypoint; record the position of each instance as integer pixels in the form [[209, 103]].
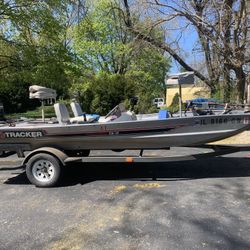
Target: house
[[189, 89]]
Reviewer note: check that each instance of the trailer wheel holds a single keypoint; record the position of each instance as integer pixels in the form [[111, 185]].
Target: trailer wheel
[[43, 170]]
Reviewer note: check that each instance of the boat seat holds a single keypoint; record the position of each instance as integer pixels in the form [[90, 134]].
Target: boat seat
[[79, 115], [63, 117], [62, 113], [76, 108]]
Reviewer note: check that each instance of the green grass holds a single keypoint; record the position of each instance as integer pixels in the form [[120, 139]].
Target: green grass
[[37, 113]]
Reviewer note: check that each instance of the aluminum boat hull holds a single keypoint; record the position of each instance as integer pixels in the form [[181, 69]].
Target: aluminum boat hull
[[139, 134]]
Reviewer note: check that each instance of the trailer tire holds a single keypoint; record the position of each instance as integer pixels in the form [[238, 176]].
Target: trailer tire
[[43, 170]]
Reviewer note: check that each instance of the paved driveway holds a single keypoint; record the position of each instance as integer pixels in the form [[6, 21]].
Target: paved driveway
[[202, 204]]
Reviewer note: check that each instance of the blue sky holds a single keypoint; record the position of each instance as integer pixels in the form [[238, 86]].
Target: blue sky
[[187, 37]]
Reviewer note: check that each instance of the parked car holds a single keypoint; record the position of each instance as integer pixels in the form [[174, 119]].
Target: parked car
[[158, 102]]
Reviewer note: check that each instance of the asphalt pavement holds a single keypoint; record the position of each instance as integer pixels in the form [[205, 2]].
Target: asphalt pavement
[[201, 204]]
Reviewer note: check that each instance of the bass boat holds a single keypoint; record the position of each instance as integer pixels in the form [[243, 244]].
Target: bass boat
[[120, 129]]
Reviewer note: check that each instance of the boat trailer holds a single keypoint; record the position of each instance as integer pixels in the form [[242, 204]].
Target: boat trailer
[[44, 165]]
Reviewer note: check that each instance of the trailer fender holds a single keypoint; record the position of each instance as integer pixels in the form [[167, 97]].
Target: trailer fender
[[60, 155]]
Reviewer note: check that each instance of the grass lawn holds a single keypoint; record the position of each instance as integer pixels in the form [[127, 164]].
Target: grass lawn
[[37, 113]]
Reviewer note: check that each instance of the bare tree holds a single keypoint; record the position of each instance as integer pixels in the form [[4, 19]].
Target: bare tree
[[223, 30]]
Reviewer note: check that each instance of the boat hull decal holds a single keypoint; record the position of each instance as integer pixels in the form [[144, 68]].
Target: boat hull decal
[[22, 134], [117, 132]]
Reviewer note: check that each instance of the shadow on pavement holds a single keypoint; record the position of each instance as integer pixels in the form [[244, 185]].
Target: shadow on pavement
[[172, 171]]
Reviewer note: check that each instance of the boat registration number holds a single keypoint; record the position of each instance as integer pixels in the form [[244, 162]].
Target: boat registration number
[[23, 134]]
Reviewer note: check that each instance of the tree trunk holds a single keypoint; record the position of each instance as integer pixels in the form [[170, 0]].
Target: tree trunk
[[226, 86], [240, 84], [213, 91]]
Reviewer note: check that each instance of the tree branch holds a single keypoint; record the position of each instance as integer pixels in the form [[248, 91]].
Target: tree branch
[[162, 45]]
